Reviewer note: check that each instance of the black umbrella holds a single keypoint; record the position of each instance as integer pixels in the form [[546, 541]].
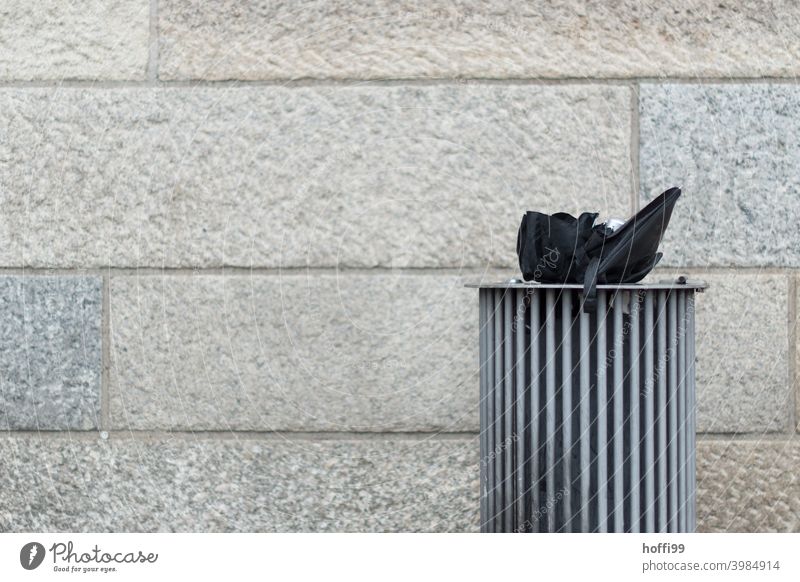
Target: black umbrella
[[560, 248]]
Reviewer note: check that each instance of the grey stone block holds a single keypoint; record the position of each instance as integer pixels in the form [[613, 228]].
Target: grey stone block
[[50, 357], [401, 176], [92, 39], [226, 39], [211, 485], [742, 353], [733, 150], [748, 486], [357, 352]]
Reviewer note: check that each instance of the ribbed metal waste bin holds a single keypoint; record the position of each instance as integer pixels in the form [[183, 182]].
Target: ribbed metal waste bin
[[587, 419]]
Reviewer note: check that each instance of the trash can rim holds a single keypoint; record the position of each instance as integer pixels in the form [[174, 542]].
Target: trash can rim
[[694, 284]]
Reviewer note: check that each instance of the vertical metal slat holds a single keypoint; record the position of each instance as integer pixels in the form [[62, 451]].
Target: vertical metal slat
[[508, 412], [521, 417], [682, 419], [566, 406], [484, 417], [672, 406], [491, 344], [602, 422], [585, 422], [661, 453], [498, 412], [550, 407], [618, 420], [649, 427], [536, 406], [692, 414], [635, 474]]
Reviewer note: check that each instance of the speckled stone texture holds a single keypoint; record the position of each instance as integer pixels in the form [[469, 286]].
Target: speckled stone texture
[[742, 353], [748, 486], [231, 39], [796, 353], [294, 352], [50, 361], [91, 39], [734, 151], [213, 485], [401, 176]]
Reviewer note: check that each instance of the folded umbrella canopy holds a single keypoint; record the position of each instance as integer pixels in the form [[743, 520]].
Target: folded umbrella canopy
[[560, 248]]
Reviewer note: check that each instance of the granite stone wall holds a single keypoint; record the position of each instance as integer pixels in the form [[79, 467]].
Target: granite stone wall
[[235, 237]]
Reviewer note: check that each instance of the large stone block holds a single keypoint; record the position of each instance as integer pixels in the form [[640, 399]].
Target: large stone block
[[234, 39], [200, 484], [234, 485], [50, 356], [748, 486], [401, 176], [734, 151], [91, 39], [393, 352], [742, 353]]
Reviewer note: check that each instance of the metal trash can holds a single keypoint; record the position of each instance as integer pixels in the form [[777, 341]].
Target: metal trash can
[[587, 420]]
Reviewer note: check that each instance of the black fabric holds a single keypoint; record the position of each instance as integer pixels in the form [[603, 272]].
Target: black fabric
[[560, 248]]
